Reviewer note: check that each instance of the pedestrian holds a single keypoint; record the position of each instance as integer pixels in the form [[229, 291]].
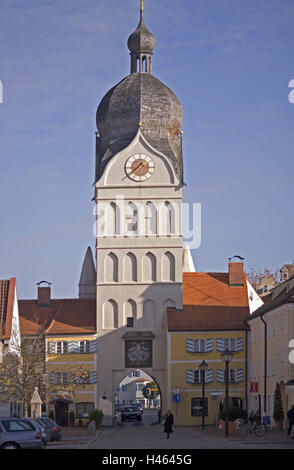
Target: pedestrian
[[168, 425], [290, 416], [159, 415]]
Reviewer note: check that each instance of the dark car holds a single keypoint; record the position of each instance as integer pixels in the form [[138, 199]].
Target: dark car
[[55, 431], [131, 413], [18, 433], [140, 407]]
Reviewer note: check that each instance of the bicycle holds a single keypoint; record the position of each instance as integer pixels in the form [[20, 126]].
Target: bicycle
[[242, 427]]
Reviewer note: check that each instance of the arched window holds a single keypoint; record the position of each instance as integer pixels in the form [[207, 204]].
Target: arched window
[[111, 268], [130, 312], [167, 219], [115, 219], [149, 267], [130, 268], [168, 267], [149, 320], [144, 64], [151, 225], [170, 218], [110, 315]]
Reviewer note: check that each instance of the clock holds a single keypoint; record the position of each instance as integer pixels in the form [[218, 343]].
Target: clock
[[139, 167]]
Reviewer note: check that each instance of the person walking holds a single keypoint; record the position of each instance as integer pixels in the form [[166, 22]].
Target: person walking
[[159, 415], [290, 416], [168, 425]]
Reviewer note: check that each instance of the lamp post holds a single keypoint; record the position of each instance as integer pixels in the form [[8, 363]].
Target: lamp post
[[227, 356], [203, 367]]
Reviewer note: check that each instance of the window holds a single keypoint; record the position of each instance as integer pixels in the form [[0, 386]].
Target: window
[[130, 322], [85, 347], [282, 321], [61, 347], [83, 409], [232, 375], [15, 426], [199, 345], [274, 367], [197, 405], [274, 327]]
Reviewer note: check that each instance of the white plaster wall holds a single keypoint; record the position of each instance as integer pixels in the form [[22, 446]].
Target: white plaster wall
[[162, 186]]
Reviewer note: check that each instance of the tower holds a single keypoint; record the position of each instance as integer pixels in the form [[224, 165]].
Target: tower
[[138, 197]]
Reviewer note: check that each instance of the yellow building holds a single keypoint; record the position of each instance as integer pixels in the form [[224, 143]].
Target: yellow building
[[69, 329], [215, 307]]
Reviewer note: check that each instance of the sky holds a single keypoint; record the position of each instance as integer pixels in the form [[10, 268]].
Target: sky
[[228, 61]]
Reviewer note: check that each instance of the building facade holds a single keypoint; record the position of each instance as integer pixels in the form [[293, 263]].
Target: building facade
[[271, 330], [68, 329], [213, 318]]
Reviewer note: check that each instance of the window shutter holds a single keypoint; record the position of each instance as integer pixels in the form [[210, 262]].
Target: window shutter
[[239, 376], [93, 377], [209, 345], [190, 376], [220, 344], [209, 376], [220, 375], [52, 347], [239, 344], [94, 346], [73, 347], [52, 378], [190, 345]]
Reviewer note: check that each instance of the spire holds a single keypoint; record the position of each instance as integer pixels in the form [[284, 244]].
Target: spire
[[87, 284], [141, 44], [187, 261]]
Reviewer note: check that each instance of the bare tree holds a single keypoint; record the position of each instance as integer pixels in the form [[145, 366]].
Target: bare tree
[[24, 367]]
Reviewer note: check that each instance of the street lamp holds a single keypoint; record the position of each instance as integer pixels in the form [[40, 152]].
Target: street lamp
[[203, 367], [227, 356]]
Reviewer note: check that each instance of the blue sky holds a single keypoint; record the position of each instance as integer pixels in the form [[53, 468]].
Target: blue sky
[[229, 62]]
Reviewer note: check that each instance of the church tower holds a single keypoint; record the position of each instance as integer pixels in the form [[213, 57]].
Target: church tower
[[138, 197]]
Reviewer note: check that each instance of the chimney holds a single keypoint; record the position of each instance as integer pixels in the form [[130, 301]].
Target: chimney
[[236, 274], [44, 294]]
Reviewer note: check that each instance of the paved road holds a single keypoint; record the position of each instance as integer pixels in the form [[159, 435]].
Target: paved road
[[149, 435]]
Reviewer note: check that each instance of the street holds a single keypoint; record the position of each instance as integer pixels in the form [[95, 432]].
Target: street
[[149, 435]]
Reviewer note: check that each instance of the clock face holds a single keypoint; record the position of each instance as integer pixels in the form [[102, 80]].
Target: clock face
[[139, 167]]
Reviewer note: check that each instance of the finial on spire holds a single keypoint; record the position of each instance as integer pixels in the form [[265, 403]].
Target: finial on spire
[[142, 8]]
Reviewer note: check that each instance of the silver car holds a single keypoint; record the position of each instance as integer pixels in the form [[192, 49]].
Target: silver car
[[44, 428], [18, 433]]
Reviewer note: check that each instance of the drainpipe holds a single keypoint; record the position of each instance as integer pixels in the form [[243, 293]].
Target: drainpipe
[[265, 364]]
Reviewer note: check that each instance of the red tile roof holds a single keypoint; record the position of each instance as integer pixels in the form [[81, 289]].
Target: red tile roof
[[62, 316], [210, 303]]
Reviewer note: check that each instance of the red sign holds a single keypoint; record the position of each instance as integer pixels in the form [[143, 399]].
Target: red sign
[[253, 387]]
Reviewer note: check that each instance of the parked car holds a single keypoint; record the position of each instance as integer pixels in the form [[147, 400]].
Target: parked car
[[18, 433], [44, 427], [131, 412], [55, 431]]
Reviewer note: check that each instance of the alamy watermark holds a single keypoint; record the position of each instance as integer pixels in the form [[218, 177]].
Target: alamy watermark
[[291, 94], [1, 91], [121, 218]]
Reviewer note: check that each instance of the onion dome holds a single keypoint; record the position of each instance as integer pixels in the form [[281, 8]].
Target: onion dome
[[139, 98]]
